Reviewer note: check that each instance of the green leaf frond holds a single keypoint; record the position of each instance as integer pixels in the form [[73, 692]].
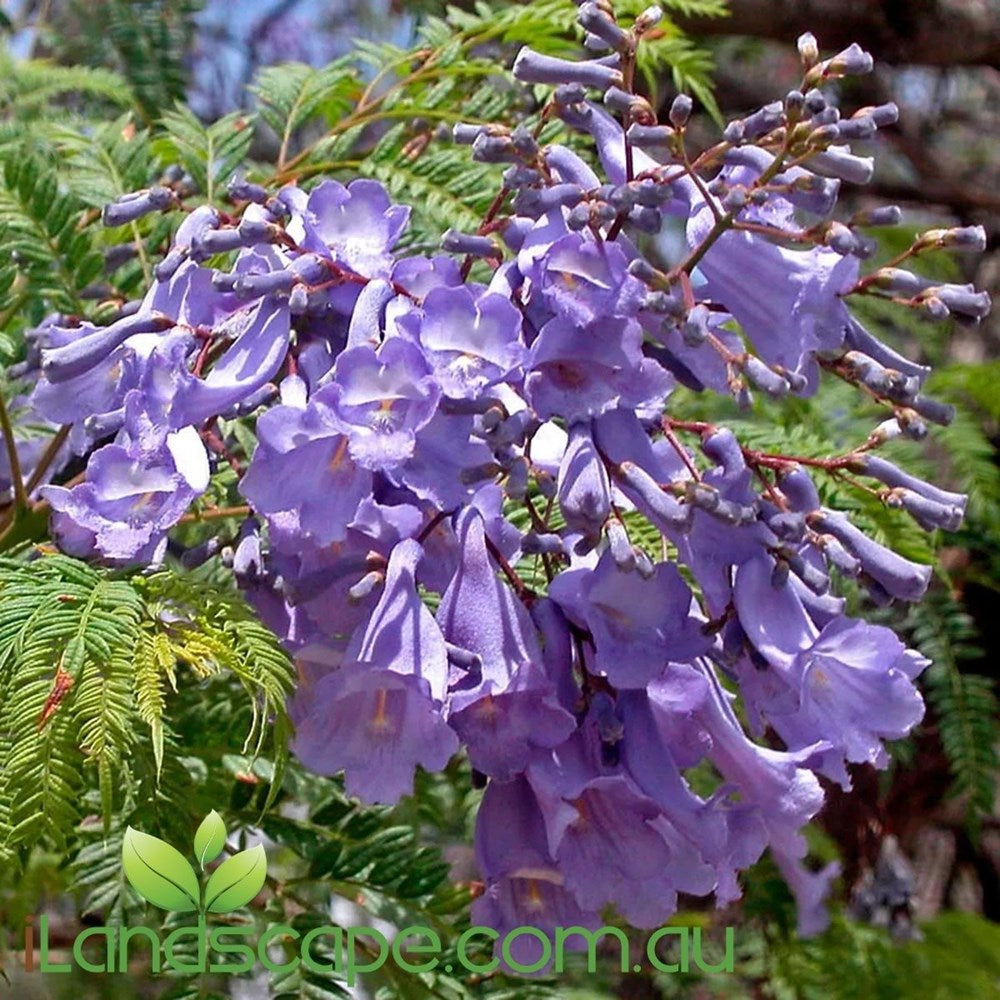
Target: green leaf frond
[[90, 663]]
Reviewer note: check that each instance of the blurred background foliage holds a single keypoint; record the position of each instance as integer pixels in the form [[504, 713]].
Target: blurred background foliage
[[99, 98]]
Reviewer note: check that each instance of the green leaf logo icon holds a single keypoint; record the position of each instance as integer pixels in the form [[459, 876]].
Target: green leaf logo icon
[[159, 872], [236, 881], [210, 838]]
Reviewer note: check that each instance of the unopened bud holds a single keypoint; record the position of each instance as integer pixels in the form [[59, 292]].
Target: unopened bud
[[853, 61], [882, 215], [466, 243], [130, 207], [240, 189], [808, 49], [649, 18], [650, 136], [466, 134], [839, 162], [680, 110], [598, 23], [533, 67], [765, 378]]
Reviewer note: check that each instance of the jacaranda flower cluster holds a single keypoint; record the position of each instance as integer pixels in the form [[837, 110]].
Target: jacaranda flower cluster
[[404, 411]]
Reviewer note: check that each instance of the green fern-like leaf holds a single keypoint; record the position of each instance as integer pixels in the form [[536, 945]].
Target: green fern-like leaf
[[51, 258], [209, 153], [89, 662], [965, 704]]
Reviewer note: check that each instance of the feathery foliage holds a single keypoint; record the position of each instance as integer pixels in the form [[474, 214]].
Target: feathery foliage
[[89, 661]]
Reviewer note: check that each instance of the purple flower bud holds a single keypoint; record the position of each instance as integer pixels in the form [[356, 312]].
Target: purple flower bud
[[646, 220], [964, 299], [621, 198], [467, 243], [621, 548], [533, 544], [928, 513], [934, 410], [794, 102], [517, 479], [644, 566], [660, 507], [167, 267], [524, 142], [369, 310], [62, 363], [680, 110], [899, 281], [723, 449], [765, 378], [859, 339], [298, 300], [570, 93], [520, 176], [882, 215], [839, 162], [934, 307], [257, 230], [815, 579], [249, 286], [859, 127], [493, 149], [763, 121], [584, 491], [900, 577], [823, 134], [788, 526], [808, 49], [868, 372], [815, 101], [130, 207], [649, 18], [598, 23], [701, 495], [240, 189], [223, 281], [533, 67], [119, 254], [540, 201], [838, 557], [694, 329], [102, 425], [366, 585], [217, 241], [465, 659], [664, 303], [891, 475], [734, 199], [733, 132], [198, 555], [465, 134], [627, 104], [247, 560], [730, 512], [579, 218], [966, 238], [911, 424], [800, 490], [853, 61], [649, 136], [650, 193], [514, 429]]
